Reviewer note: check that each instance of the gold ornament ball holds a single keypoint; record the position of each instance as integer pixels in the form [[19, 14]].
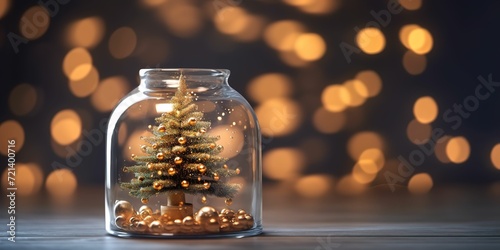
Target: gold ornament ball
[[177, 160], [157, 185], [203, 130], [188, 221], [133, 219], [155, 146], [237, 171], [123, 208], [249, 220], [159, 172], [216, 176], [162, 128], [148, 219], [237, 225], [132, 156], [171, 171], [143, 148], [141, 226], [184, 184], [225, 166], [228, 201], [145, 211], [204, 199], [144, 200], [206, 185], [202, 168], [156, 226], [141, 178], [160, 156], [220, 147], [213, 226], [241, 211], [182, 140], [228, 212], [150, 126], [208, 218], [192, 121], [150, 166], [212, 145], [121, 221]]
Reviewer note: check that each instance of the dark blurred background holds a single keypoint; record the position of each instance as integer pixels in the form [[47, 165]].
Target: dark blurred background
[[349, 94]]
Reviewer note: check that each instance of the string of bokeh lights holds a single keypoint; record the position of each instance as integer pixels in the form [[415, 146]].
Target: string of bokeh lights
[[295, 45]]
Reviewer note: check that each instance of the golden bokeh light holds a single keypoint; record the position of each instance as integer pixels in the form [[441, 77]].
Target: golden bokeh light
[[495, 156], [109, 92], [30, 181], [34, 22], [85, 86], [335, 98], [371, 160], [298, 3], [231, 138], [61, 183], [313, 186], [231, 20], [411, 4], [420, 41], [11, 130], [87, 32], [281, 35], [133, 143], [22, 99], [279, 116], [420, 184], [309, 46], [122, 42], [77, 64], [320, 6], [153, 3], [370, 40], [348, 185], [253, 29], [283, 164], [362, 141], [328, 122], [418, 133], [413, 63], [458, 149], [269, 86], [182, 18], [440, 149], [425, 109], [362, 177], [404, 34], [357, 93], [4, 7], [371, 81], [66, 127]]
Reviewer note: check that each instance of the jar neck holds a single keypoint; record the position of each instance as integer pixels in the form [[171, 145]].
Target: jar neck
[[197, 80]]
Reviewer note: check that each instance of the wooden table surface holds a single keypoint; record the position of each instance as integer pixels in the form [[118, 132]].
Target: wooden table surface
[[449, 218]]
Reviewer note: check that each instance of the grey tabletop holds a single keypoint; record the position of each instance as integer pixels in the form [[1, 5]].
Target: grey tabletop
[[447, 218]]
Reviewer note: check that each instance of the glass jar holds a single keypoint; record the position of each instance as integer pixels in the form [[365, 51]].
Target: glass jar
[[183, 158]]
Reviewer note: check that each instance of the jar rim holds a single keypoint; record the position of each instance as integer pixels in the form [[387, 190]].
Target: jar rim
[[186, 71]]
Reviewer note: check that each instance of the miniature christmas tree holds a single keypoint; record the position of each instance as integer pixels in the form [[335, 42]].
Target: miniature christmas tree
[[181, 157]]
